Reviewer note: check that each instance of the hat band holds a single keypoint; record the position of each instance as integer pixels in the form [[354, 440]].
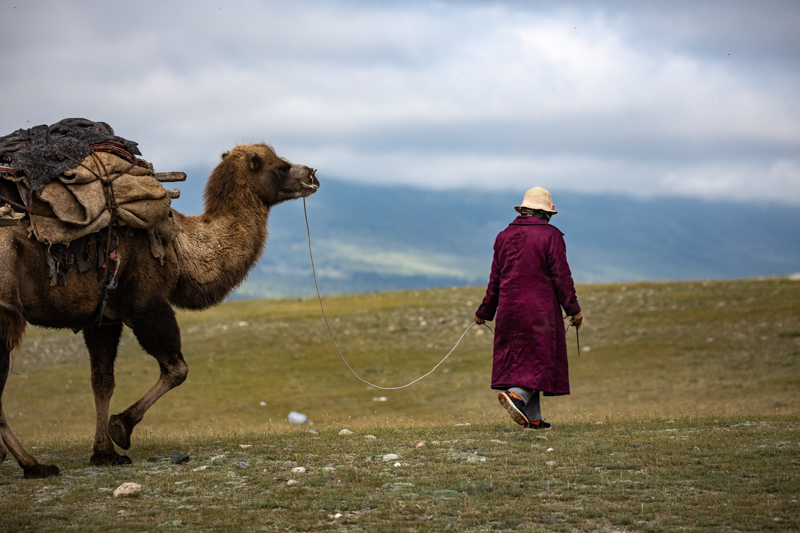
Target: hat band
[[538, 200]]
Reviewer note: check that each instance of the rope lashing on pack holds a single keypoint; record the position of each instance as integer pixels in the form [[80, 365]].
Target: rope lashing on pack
[[330, 332]]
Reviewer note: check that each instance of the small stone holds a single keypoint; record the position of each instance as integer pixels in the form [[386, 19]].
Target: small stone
[[199, 468], [541, 437], [549, 449], [337, 515], [345, 432], [178, 458], [262, 404], [497, 441], [217, 458], [128, 490], [310, 431], [299, 470], [448, 527], [154, 458], [390, 457], [419, 444], [370, 437], [243, 464], [551, 463], [292, 482], [245, 446], [379, 399]]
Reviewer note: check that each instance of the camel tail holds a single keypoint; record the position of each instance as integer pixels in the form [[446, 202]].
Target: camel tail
[[12, 326]]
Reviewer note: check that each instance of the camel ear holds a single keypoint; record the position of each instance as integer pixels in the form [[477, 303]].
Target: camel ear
[[224, 155], [253, 161]]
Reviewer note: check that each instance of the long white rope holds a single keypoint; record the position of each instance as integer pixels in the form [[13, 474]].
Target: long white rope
[[330, 332]]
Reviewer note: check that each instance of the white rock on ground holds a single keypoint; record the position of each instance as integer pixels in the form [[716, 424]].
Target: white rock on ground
[[292, 482], [419, 444], [345, 432], [245, 446], [199, 468], [551, 463], [549, 449], [370, 437], [299, 470], [128, 490], [390, 457]]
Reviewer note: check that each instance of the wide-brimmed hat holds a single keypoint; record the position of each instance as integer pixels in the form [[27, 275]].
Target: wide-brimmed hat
[[538, 198]]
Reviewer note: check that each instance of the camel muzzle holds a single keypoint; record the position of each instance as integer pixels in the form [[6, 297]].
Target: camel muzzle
[[313, 177]]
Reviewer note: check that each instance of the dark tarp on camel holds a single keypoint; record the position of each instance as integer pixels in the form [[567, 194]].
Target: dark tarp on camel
[[43, 152]]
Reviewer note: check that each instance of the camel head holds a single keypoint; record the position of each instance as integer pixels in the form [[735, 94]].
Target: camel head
[[257, 169]]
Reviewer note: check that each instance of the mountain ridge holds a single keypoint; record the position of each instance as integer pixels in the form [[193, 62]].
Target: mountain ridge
[[382, 237]]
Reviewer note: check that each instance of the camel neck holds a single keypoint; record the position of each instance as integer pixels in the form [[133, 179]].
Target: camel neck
[[215, 252]]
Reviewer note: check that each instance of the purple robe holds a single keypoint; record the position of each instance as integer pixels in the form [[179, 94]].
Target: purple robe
[[529, 284]]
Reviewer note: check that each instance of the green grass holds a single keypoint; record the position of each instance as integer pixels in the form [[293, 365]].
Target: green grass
[[695, 434], [644, 475]]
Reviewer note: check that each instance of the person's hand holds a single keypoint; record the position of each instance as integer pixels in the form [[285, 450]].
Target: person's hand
[[479, 320], [577, 320]]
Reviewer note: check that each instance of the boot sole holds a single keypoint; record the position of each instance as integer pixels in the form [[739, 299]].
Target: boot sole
[[516, 415]]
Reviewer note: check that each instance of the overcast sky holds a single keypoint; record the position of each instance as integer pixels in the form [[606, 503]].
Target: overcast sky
[[698, 99]]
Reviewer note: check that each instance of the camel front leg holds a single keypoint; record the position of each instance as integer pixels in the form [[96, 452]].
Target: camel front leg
[[102, 343], [30, 466], [157, 331]]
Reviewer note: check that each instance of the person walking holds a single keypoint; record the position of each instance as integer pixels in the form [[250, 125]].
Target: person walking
[[529, 284]]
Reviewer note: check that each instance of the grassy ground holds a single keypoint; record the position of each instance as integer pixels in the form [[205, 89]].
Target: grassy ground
[[707, 355], [727, 474]]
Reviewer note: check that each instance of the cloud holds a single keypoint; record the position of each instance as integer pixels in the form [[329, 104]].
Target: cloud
[[588, 96]]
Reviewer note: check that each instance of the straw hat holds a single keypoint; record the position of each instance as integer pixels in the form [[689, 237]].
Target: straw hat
[[538, 198]]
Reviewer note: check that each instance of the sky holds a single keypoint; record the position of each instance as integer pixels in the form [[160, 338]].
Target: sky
[[678, 99]]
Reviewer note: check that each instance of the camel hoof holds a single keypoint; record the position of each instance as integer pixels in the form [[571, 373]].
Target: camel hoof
[[40, 471], [109, 459], [119, 431]]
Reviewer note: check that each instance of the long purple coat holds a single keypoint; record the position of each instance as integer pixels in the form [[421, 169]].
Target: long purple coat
[[529, 284]]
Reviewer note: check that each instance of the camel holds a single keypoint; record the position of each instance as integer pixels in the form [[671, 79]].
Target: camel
[[204, 263]]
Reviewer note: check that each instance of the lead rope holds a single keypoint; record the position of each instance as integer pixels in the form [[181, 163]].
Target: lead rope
[[330, 332]]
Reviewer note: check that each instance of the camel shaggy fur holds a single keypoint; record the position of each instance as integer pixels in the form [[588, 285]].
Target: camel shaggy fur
[[204, 263]]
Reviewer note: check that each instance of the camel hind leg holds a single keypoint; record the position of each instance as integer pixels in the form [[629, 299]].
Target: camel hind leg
[[30, 466], [158, 333]]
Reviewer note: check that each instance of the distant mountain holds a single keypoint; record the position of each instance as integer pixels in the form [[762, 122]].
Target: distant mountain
[[370, 237]]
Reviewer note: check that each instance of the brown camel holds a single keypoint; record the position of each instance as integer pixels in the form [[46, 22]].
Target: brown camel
[[201, 267]]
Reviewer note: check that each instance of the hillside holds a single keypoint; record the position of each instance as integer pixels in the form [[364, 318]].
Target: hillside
[[653, 349]]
